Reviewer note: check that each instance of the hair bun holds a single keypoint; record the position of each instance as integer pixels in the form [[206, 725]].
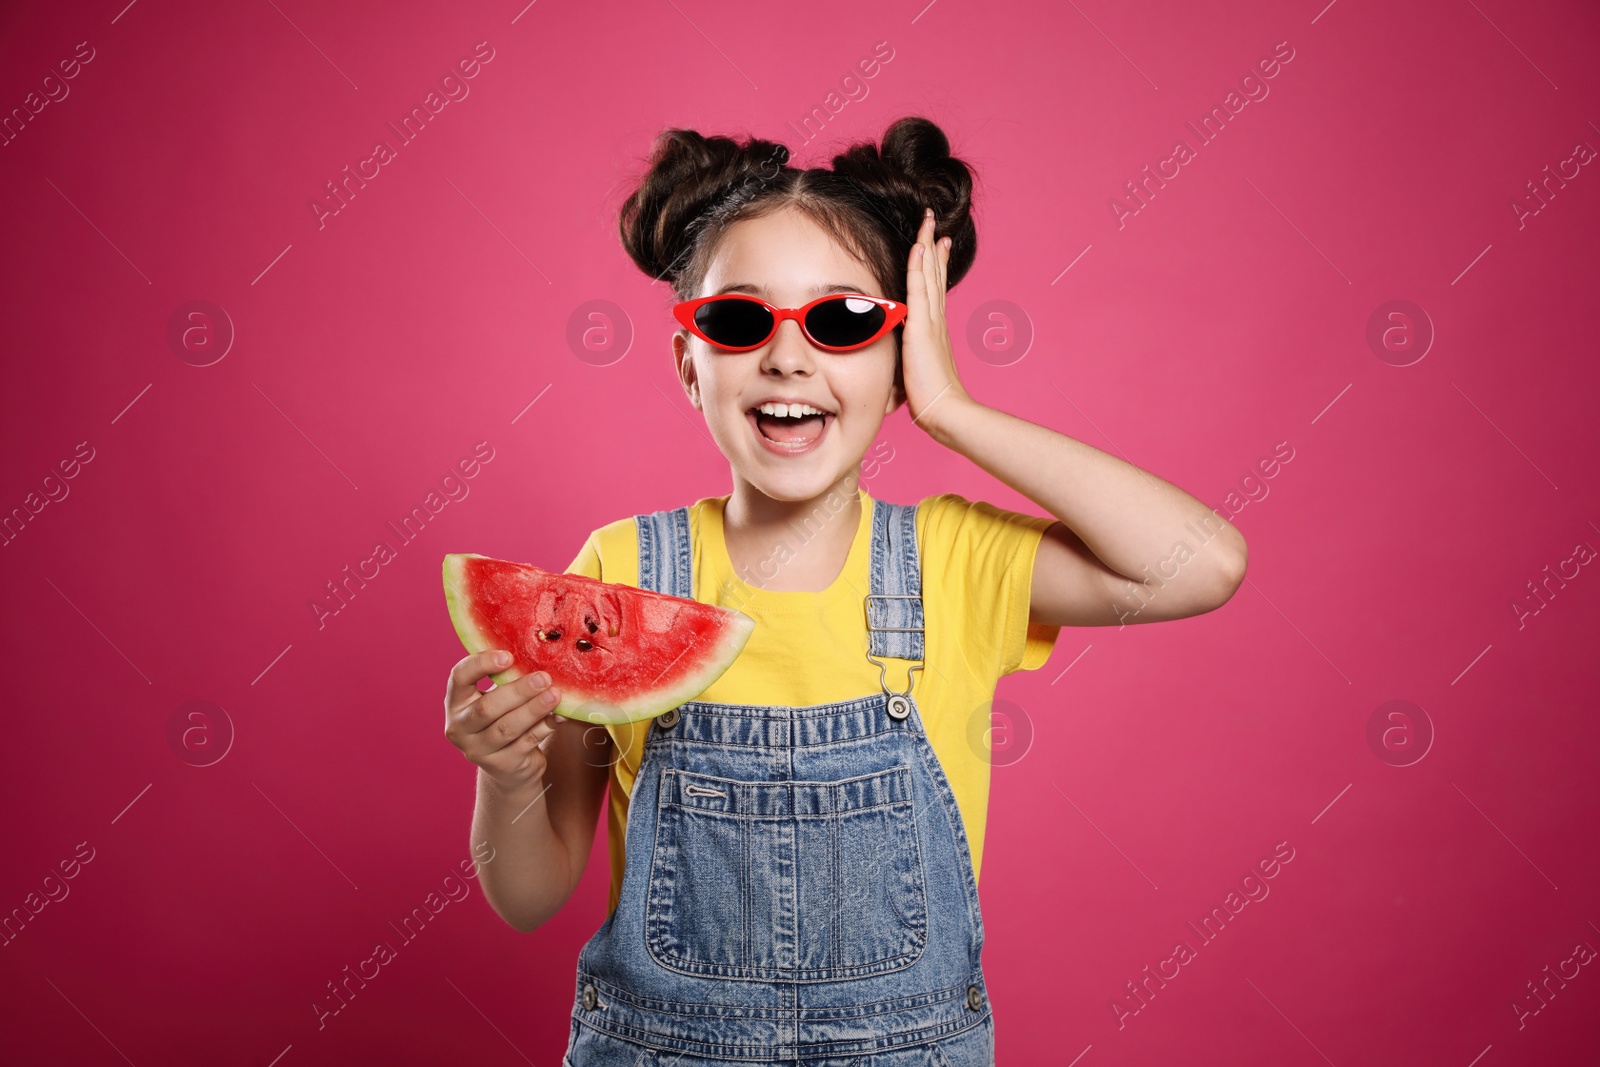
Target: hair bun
[[689, 175], [913, 170]]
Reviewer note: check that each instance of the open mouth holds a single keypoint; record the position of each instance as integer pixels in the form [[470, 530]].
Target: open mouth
[[789, 433]]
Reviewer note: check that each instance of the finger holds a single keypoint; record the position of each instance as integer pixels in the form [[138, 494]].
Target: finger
[[934, 257], [481, 713], [532, 743], [509, 730], [490, 708], [924, 242], [930, 258], [524, 758], [939, 252], [943, 260], [921, 237], [464, 676], [916, 284]]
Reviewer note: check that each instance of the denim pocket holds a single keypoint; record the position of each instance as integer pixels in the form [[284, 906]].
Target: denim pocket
[[786, 880]]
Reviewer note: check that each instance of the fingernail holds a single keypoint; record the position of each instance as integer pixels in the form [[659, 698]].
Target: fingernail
[[928, 213], [541, 679], [502, 658]]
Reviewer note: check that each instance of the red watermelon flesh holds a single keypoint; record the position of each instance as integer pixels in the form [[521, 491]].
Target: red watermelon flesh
[[615, 652]]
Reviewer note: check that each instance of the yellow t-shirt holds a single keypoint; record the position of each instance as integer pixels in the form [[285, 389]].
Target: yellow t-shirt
[[977, 571]]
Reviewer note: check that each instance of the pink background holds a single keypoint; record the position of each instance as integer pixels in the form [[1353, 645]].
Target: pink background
[[1229, 314]]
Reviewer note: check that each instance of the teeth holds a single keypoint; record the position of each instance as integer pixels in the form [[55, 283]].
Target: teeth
[[788, 411]]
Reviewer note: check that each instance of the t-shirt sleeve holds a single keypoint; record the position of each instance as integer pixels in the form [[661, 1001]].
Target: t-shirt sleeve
[[587, 561], [981, 558]]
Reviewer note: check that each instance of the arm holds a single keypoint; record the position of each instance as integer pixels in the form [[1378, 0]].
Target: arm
[[539, 790], [1118, 552], [546, 850]]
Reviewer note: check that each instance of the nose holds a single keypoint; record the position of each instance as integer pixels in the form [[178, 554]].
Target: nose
[[789, 350]]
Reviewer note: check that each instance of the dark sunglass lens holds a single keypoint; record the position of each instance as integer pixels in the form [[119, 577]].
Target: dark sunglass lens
[[734, 323], [845, 321]]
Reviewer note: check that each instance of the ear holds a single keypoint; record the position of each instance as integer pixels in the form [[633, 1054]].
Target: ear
[[685, 364]]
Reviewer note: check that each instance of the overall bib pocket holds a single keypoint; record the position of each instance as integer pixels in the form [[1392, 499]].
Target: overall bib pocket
[[786, 880]]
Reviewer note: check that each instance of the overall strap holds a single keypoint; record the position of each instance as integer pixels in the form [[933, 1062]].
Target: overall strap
[[894, 605], [665, 557]]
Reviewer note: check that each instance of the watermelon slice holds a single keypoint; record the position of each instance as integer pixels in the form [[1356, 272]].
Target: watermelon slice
[[616, 653]]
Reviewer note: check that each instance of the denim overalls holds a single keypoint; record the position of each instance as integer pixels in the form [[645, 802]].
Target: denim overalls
[[798, 887]]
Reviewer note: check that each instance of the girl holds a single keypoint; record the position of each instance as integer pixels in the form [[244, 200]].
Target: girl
[[795, 853]]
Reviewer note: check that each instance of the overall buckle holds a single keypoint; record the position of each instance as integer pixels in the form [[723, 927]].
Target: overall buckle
[[899, 706]]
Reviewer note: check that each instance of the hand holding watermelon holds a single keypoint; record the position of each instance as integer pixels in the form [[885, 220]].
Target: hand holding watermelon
[[503, 730], [615, 653]]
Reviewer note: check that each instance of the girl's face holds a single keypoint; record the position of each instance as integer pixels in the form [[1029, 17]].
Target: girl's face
[[788, 260]]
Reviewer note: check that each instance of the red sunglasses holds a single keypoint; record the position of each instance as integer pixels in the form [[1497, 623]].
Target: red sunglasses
[[838, 322]]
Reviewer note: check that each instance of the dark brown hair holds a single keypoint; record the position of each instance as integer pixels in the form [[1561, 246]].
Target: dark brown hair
[[871, 201]]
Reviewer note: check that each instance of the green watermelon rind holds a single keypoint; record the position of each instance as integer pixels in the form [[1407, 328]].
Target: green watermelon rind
[[575, 704]]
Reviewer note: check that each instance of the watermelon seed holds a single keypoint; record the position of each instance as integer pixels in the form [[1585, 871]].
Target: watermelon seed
[[584, 646], [550, 635], [590, 623]]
